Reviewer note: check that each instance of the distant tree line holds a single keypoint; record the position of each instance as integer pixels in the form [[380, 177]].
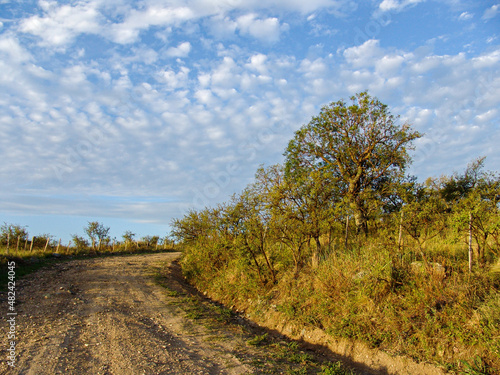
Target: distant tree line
[[15, 237]]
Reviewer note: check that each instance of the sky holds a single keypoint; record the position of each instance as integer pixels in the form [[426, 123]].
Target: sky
[[131, 113]]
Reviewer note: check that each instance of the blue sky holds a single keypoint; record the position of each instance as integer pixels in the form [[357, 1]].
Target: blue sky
[[133, 112]]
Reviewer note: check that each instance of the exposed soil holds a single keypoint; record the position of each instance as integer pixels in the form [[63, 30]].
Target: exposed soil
[[111, 316]]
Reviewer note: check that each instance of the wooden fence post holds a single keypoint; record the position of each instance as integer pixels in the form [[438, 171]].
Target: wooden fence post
[[32, 242], [58, 245], [46, 244], [17, 246]]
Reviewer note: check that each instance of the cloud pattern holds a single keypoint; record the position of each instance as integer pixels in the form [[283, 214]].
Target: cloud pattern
[[165, 105]]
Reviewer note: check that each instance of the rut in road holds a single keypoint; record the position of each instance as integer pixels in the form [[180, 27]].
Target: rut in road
[[109, 316], [103, 316]]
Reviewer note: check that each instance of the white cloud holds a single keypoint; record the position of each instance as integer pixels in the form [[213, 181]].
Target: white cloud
[[61, 25], [182, 50], [314, 69], [305, 7], [389, 65], [397, 5], [491, 12], [156, 16], [129, 120], [138, 20], [426, 64], [226, 74], [258, 63], [487, 60], [10, 46], [268, 29], [175, 80], [487, 116], [205, 97], [363, 55], [465, 16], [222, 27]]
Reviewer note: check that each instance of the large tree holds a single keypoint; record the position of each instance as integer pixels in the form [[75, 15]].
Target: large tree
[[360, 146]]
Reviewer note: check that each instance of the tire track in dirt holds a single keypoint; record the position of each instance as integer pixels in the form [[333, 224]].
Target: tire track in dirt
[[103, 316]]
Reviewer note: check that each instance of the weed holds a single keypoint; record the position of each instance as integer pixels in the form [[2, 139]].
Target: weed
[[291, 352], [336, 368], [194, 315], [222, 314], [477, 367], [297, 371], [258, 340]]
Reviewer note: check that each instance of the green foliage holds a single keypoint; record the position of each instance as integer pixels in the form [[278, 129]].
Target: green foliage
[[11, 232], [257, 340], [359, 146], [79, 242], [40, 241], [404, 286], [97, 233], [128, 236]]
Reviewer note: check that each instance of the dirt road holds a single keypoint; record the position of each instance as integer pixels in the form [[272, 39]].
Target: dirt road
[[110, 316]]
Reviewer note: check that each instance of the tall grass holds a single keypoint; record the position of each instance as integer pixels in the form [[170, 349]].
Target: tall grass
[[389, 298]]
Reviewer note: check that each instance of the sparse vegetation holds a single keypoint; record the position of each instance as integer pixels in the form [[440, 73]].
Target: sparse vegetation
[[31, 253], [414, 276]]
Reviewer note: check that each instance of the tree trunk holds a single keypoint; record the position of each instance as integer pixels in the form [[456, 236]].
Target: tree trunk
[[360, 218], [330, 239], [316, 253], [361, 223], [257, 265], [400, 237], [346, 239]]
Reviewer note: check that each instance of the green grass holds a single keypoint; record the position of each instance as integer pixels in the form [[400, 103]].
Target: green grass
[[336, 368], [258, 340], [476, 367], [391, 301]]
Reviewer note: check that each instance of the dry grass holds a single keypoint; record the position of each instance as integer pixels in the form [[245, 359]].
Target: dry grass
[[435, 312]]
